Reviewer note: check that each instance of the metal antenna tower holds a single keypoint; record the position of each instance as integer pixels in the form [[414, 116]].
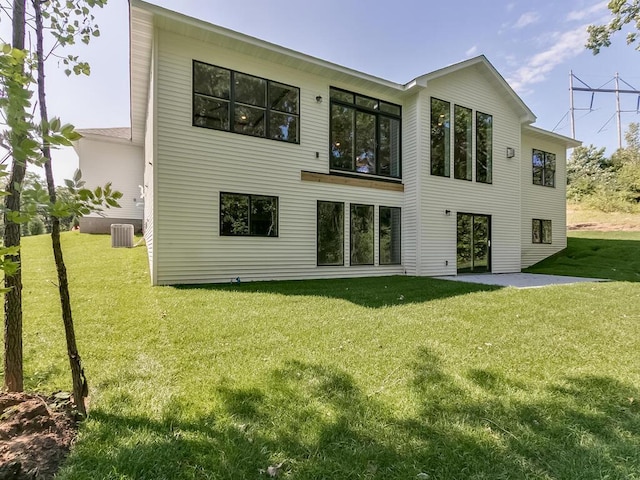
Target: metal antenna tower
[[616, 90]]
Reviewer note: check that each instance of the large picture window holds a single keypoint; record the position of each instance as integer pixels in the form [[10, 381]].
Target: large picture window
[[484, 147], [330, 233], [248, 215], [541, 231], [365, 135], [544, 168], [362, 234], [440, 137], [390, 242], [236, 102], [462, 143]]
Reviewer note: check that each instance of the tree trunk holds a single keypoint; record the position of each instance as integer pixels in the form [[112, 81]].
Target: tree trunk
[[80, 388], [13, 375]]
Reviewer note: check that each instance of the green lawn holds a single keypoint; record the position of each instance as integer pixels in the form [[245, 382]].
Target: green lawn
[[383, 378]]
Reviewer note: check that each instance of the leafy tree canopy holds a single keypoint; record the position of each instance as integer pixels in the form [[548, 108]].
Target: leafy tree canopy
[[624, 12]]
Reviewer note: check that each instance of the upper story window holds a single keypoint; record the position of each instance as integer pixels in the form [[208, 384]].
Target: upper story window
[[365, 135], [462, 142], [236, 102], [440, 137], [544, 168], [484, 147]]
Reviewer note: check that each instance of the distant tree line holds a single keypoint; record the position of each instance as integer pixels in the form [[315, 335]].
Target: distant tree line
[[606, 183], [40, 220]]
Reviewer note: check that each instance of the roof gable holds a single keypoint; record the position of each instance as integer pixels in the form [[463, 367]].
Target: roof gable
[[487, 71]]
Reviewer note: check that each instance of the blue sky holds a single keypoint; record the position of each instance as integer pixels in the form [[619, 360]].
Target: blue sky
[[534, 45]]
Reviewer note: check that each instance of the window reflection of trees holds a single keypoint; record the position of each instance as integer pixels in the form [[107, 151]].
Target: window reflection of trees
[[330, 233], [257, 106], [362, 234]]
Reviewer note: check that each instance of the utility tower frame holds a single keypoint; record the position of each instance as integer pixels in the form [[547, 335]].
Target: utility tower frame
[[616, 90]]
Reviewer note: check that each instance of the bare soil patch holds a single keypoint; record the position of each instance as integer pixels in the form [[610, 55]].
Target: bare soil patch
[[605, 227], [36, 433]]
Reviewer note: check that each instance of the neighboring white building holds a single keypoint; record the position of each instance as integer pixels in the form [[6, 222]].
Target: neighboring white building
[[108, 155], [264, 163]]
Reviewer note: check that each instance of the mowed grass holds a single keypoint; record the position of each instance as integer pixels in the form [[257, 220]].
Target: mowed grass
[[377, 378], [611, 255]]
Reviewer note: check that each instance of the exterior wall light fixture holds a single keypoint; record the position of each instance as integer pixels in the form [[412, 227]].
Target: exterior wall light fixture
[[511, 152]]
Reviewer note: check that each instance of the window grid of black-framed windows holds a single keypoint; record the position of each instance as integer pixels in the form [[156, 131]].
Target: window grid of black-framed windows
[[441, 142], [330, 233], [389, 235], [544, 168], [361, 245], [365, 135], [247, 215], [484, 147], [541, 231], [224, 99]]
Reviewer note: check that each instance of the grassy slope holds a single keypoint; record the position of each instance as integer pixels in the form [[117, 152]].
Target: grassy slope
[[613, 255], [372, 378], [578, 213]]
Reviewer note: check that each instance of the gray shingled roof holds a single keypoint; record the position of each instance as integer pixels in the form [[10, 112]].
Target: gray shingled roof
[[118, 132]]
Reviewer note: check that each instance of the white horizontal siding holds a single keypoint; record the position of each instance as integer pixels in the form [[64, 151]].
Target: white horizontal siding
[[501, 199], [411, 174], [193, 165], [149, 160], [545, 203]]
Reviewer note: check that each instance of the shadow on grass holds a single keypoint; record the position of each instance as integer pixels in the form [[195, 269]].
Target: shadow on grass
[[372, 292], [594, 257], [315, 422]]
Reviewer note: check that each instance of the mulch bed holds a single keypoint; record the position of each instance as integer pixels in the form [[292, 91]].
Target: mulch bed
[[36, 433]]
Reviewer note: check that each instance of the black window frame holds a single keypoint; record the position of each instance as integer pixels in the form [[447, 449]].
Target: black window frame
[[548, 159], [488, 152], [457, 143], [378, 111], [233, 103], [352, 207], [539, 225], [380, 256], [250, 198], [443, 170], [342, 205]]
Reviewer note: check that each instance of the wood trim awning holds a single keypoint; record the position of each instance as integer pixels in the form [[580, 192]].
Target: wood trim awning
[[351, 181]]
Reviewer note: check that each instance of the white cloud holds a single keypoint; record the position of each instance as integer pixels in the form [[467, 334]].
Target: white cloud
[[472, 51], [527, 19], [564, 46], [578, 15]]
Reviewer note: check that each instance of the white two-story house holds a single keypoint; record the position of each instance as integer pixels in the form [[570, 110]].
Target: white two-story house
[[260, 163]]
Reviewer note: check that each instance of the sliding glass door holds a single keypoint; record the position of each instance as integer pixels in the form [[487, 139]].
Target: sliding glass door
[[473, 243]]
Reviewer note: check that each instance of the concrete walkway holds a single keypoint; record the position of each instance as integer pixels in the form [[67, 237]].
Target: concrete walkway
[[519, 280]]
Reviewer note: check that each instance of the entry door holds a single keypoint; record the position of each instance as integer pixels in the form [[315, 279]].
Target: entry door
[[474, 243]]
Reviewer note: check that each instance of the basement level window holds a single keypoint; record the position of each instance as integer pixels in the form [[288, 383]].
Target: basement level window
[[246, 215], [541, 231]]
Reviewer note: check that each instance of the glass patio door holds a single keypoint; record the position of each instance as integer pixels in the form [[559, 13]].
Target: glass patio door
[[473, 243]]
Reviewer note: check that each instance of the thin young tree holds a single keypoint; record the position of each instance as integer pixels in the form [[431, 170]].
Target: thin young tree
[[67, 20], [16, 119]]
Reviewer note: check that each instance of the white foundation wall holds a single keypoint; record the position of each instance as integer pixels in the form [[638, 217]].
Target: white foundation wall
[[193, 165], [541, 202], [501, 199]]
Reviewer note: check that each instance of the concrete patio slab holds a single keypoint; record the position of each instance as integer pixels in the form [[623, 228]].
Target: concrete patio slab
[[519, 280]]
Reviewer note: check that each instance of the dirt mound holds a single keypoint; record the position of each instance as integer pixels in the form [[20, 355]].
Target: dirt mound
[[36, 433]]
